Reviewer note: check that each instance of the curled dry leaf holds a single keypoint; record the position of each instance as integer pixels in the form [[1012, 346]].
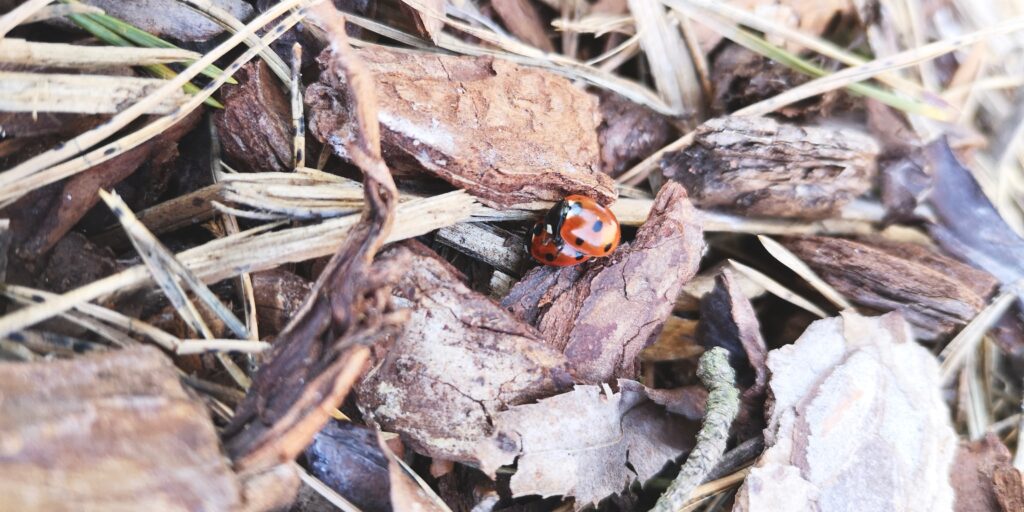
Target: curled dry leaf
[[171, 18], [602, 314], [579, 443], [969, 226], [320, 354], [759, 167], [974, 471], [255, 125], [460, 360], [727, 320], [936, 294], [629, 133], [857, 422], [65, 424], [509, 135]]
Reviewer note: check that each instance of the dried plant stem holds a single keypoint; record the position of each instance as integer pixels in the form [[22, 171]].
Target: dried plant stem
[[62, 55], [298, 120], [722, 406], [16, 16]]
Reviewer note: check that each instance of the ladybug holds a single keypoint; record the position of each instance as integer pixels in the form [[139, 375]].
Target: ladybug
[[546, 249], [574, 230]]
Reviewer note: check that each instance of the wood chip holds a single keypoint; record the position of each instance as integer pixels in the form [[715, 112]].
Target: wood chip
[[603, 313], [109, 431], [756, 166], [255, 125], [509, 135], [459, 361], [936, 294], [629, 133], [857, 422]]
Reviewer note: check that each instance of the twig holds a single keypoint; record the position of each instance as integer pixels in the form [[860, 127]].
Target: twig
[[722, 405]]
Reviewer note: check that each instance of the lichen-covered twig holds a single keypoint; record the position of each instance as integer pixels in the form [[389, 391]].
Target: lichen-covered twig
[[722, 405]]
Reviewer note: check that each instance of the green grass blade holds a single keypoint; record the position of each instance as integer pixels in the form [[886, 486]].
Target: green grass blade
[[763, 47], [145, 39], [158, 70]]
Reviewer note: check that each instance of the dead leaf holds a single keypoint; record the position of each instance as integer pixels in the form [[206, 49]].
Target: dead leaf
[[460, 360], [756, 166], [509, 135], [114, 430], [255, 126], [579, 443], [857, 422], [603, 313], [973, 473], [936, 294]]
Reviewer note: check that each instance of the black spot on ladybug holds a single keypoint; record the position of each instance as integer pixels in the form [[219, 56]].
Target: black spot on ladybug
[[579, 256], [598, 226], [537, 229], [579, 241], [607, 247], [109, 151], [549, 257]]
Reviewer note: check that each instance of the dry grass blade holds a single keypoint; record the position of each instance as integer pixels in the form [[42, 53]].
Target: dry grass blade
[[19, 14], [770, 27], [326, 492], [777, 289], [126, 323], [215, 345], [60, 11], [167, 271], [801, 269], [79, 94], [298, 119], [967, 341], [667, 55], [231, 24], [871, 69], [716, 486], [16, 181], [62, 55], [638, 172]]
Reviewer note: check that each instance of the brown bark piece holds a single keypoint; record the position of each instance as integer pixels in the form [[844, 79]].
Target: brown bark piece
[[510, 135], [255, 125], [523, 20], [759, 167], [114, 431], [602, 314], [460, 360], [78, 194], [629, 133], [579, 443], [1009, 487], [75, 262], [279, 296], [936, 294], [857, 422], [973, 473]]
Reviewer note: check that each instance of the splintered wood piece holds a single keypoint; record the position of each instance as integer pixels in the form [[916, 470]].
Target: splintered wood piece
[[588, 443], [113, 431], [509, 135], [936, 294], [756, 166], [459, 361], [857, 422], [254, 127], [602, 313]]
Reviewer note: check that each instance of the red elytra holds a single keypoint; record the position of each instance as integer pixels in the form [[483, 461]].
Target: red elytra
[[545, 249], [585, 225]]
